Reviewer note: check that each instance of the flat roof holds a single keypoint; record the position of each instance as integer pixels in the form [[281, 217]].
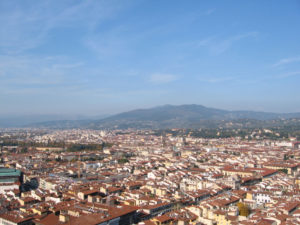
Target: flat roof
[[6, 172]]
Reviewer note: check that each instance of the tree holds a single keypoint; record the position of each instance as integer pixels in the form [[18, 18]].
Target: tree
[[283, 170], [123, 160], [58, 159], [24, 150]]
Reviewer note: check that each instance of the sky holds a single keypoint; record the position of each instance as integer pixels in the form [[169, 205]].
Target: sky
[[101, 57]]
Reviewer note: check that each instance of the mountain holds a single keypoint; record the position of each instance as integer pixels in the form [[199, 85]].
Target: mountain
[[171, 116], [188, 116]]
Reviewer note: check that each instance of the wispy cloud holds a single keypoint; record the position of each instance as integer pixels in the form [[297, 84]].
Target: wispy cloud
[[161, 78], [108, 44], [30, 71], [218, 46], [285, 61], [290, 74], [204, 42], [28, 26], [222, 46], [209, 12], [216, 79]]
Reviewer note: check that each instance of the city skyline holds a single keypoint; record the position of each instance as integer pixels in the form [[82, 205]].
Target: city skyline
[[106, 57]]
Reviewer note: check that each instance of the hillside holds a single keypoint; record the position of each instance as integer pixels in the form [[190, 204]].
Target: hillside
[[189, 116]]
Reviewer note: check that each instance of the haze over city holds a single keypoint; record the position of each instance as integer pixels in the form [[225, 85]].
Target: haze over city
[[106, 57]]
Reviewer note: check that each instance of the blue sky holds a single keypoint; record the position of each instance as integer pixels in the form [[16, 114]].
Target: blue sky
[[104, 57]]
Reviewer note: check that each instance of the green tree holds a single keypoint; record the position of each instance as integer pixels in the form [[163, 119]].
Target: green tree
[[123, 160], [283, 170], [24, 150]]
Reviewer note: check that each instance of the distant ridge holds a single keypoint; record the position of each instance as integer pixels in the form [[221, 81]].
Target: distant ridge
[[181, 116], [184, 116]]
